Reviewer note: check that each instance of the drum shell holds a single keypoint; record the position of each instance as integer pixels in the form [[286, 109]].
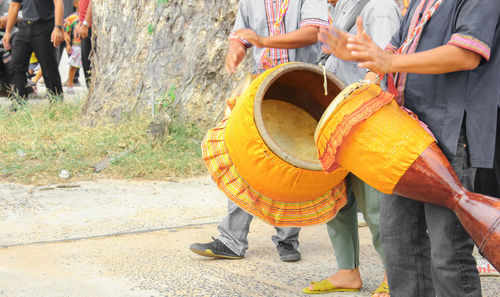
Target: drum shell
[[256, 162], [369, 134]]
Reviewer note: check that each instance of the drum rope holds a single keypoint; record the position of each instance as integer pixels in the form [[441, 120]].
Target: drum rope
[[265, 60], [325, 85]]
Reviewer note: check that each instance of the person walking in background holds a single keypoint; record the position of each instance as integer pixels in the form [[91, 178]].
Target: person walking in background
[[39, 32], [85, 31], [382, 19], [73, 46], [294, 26]]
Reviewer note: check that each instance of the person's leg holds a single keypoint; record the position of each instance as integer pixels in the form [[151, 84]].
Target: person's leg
[[287, 243], [453, 266], [38, 76], [21, 52], [368, 199], [234, 228], [232, 242], [403, 234], [86, 49], [71, 75], [45, 52], [343, 233]]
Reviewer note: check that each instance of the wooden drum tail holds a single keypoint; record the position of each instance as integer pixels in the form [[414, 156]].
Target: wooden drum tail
[[431, 179]]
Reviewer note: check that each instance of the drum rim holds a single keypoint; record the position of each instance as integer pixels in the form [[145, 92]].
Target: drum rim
[[259, 121]]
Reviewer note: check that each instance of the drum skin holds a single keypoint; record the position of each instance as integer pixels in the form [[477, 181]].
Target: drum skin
[[261, 168]]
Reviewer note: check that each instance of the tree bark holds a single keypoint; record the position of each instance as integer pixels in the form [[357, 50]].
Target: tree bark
[[161, 50]]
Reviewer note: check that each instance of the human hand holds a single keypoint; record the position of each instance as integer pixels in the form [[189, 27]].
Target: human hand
[[368, 54], [6, 41], [3, 22], [250, 36], [83, 31], [334, 41], [57, 37], [235, 55]]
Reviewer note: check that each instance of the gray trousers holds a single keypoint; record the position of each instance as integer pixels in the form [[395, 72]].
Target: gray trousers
[[235, 227], [428, 251]]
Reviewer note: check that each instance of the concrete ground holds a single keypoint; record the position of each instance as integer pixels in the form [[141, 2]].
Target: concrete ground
[[123, 238]]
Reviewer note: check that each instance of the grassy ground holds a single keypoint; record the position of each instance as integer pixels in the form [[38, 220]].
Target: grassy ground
[[39, 141]]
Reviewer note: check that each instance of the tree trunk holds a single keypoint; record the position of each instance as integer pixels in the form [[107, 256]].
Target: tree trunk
[[165, 51]]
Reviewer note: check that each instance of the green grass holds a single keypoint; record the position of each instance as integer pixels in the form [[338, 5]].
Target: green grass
[[38, 141]]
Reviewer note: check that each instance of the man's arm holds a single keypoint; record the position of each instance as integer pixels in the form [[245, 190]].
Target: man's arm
[[88, 16], [83, 29], [11, 21], [443, 59], [57, 34], [299, 38]]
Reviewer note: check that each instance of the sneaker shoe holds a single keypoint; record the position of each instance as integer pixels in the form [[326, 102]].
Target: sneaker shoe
[[70, 90], [288, 253], [214, 249], [485, 268]]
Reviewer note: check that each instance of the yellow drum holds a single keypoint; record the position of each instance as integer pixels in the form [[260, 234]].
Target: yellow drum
[[263, 155], [366, 131]]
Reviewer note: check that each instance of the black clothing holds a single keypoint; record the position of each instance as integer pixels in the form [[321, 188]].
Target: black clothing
[[35, 38], [86, 49], [37, 10], [488, 180], [441, 100]]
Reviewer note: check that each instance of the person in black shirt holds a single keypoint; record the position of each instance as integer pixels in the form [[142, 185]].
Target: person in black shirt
[[40, 31]]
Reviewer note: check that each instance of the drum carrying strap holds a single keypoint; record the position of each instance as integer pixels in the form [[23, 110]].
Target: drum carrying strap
[[347, 26]]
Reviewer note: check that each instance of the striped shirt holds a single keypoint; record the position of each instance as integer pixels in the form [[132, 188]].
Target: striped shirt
[[261, 15]]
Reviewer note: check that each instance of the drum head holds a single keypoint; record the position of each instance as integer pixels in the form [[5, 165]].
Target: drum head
[[301, 88]]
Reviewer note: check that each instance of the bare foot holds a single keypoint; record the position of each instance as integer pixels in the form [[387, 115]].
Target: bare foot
[[346, 279]]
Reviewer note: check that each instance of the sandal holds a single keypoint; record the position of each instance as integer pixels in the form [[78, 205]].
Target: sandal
[[325, 286], [383, 288]]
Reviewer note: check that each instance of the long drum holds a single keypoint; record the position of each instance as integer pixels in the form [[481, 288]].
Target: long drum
[[263, 155], [366, 132]]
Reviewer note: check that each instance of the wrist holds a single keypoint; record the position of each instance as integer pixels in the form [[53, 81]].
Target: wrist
[[85, 23], [58, 27], [263, 42]]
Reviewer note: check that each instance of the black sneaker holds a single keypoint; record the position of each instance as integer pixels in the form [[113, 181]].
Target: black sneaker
[[214, 249], [288, 253]]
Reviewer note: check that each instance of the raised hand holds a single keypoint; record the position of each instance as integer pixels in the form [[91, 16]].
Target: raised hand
[[334, 41], [367, 53], [235, 55], [250, 36]]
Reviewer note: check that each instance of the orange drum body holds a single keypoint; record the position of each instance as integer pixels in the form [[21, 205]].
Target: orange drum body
[[263, 155], [366, 132]]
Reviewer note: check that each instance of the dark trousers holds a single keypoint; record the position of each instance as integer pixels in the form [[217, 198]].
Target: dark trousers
[[428, 251], [86, 49], [488, 180], [35, 37]]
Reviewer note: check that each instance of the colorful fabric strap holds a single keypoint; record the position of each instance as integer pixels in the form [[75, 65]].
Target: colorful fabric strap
[[265, 60]]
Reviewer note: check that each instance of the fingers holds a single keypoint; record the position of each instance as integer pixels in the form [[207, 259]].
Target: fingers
[[359, 25]]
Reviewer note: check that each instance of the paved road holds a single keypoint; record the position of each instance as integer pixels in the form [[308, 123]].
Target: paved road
[[120, 238]]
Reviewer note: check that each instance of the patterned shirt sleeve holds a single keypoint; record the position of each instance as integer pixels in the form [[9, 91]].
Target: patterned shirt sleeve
[[475, 26], [241, 23], [314, 13]]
